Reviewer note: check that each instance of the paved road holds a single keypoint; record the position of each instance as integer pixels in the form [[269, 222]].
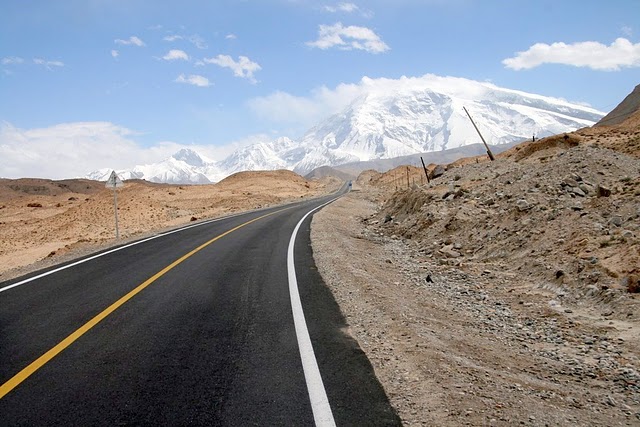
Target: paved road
[[191, 328]]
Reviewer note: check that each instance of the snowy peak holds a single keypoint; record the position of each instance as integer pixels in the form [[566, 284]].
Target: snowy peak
[[191, 158]]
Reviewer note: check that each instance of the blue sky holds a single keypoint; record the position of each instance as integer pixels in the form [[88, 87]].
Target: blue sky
[[113, 83]]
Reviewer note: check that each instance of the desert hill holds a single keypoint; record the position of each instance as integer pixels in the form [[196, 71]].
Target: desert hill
[[44, 219]]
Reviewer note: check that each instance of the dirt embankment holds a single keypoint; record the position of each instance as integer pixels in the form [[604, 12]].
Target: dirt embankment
[[50, 221], [501, 293]]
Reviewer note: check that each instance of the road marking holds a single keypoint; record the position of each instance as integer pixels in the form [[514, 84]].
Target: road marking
[[317, 394], [119, 248], [46, 357]]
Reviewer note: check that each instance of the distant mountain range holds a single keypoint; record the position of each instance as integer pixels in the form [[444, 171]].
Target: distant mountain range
[[408, 116]]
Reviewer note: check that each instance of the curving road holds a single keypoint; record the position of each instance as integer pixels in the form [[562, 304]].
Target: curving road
[[192, 327]]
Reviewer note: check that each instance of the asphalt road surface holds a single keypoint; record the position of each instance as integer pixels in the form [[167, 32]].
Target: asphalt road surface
[[194, 327]]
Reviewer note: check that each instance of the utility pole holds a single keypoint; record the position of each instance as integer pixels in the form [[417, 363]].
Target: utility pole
[[425, 169], [489, 153], [408, 185]]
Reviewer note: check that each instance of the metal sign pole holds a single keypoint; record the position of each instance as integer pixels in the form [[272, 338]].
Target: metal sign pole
[[114, 182], [115, 208]]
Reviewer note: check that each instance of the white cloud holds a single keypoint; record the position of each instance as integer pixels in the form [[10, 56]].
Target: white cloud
[[12, 60], [627, 30], [621, 53], [305, 111], [230, 37], [194, 39], [176, 54], [349, 38], [244, 67], [48, 64], [193, 79], [197, 41], [114, 53], [71, 150], [342, 7], [172, 38], [131, 41]]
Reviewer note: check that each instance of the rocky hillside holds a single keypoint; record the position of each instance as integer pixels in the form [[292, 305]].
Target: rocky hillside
[[508, 292], [563, 211]]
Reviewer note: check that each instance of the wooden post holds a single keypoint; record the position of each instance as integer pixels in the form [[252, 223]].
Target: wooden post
[[408, 185], [481, 137], [425, 170]]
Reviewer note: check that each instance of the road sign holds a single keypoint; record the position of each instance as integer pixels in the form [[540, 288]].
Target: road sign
[[114, 181]]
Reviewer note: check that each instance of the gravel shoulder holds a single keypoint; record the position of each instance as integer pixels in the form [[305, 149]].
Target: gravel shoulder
[[471, 345]]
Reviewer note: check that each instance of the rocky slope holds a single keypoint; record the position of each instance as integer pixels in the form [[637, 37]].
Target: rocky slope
[[499, 293]]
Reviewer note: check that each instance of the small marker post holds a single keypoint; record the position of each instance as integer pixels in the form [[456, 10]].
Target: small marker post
[[115, 182]]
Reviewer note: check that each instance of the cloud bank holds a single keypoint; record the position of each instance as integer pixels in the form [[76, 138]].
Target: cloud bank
[[597, 56]]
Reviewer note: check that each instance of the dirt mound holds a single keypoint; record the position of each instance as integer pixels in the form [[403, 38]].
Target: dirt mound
[[542, 147], [10, 188]]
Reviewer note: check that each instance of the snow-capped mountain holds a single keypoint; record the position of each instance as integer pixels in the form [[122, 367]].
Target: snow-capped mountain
[[424, 115], [390, 118], [184, 167], [259, 156]]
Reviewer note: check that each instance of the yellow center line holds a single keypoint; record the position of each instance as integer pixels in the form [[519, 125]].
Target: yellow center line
[[62, 345]]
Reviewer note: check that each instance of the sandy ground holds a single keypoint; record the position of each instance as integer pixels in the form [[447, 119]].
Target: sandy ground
[[45, 222]]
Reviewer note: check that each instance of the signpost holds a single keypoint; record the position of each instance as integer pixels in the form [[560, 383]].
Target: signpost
[[115, 182]]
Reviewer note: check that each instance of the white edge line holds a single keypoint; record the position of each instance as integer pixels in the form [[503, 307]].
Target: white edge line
[[119, 248], [317, 394]]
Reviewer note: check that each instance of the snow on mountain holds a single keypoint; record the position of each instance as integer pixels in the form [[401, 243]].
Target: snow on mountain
[[390, 118], [259, 156], [425, 115], [184, 167]]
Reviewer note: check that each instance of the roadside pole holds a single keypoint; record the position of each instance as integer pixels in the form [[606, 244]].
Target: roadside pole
[[115, 182], [489, 153]]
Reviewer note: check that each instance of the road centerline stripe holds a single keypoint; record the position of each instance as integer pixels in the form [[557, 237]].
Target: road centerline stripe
[[62, 345], [322, 414]]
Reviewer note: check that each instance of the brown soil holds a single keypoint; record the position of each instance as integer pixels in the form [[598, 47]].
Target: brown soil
[[44, 222]]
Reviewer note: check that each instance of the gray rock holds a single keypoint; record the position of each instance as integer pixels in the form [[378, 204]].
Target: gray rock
[[586, 188], [570, 182], [437, 171], [578, 192], [522, 205], [449, 251], [616, 220]]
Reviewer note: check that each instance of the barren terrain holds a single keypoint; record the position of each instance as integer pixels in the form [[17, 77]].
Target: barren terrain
[[44, 222], [500, 293]]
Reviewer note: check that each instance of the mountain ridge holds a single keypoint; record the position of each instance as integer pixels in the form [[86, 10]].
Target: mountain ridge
[[391, 119]]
